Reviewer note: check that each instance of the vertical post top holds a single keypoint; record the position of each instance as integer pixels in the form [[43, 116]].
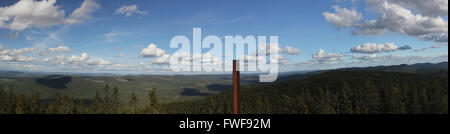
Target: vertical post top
[[236, 65]]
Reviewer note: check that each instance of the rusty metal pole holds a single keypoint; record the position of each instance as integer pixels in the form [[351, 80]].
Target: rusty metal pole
[[236, 87]]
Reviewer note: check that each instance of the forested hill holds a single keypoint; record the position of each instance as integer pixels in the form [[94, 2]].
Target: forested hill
[[339, 91], [437, 69]]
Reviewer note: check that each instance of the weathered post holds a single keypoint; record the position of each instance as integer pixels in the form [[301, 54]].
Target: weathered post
[[236, 87]]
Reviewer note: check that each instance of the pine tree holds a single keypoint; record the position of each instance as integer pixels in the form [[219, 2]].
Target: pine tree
[[117, 104], [303, 107], [444, 104], [133, 103], [345, 103], [320, 103], [372, 101], [20, 104], [54, 105], [96, 107], [107, 108], [11, 104], [35, 105], [414, 105], [154, 105], [3, 101], [80, 107], [66, 105]]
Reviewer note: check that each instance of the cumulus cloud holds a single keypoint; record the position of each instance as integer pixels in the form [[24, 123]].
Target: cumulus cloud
[[267, 49], [28, 13], [15, 55], [343, 17], [290, 50], [322, 57], [398, 16], [428, 8], [128, 10], [152, 51], [83, 12], [371, 48], [41, 14], [280, 60], [164, 59]]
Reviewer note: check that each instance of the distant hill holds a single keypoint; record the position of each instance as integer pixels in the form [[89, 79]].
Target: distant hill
[[419, 68], [337, 91]]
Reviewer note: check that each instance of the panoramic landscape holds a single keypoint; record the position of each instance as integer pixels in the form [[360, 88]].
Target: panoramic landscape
[[177, 57]]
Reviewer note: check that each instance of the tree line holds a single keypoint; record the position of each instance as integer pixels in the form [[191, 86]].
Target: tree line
[[104, 102], [334, 92]]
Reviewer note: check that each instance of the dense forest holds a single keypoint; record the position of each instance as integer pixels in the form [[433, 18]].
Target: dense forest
[[332, 92], [104, 102]]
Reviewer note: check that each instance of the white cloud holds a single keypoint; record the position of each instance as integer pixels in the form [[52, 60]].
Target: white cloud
[[59, 49], [188, 59], [268, 49], [396, 60], [428, 8], [365, 57], [322, 57], [273, 59], [41, 14], [76, 61], [280, 60], [343, 17], [398, 16], [371, 48], [129, 10], [53, 50], [46, 60], [83, 12], [152, 51], [436, 46], [28, 13], [57, 59], [251, 58], [164, 59], [15, 55], [291, 50]]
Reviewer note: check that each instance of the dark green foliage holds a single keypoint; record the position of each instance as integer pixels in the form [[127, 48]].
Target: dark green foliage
[[333, 92], [133, 103], [341, 92], [108, 103], [154, 106]]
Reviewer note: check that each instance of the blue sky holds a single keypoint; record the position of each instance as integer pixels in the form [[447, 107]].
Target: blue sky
[[110, 35]]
